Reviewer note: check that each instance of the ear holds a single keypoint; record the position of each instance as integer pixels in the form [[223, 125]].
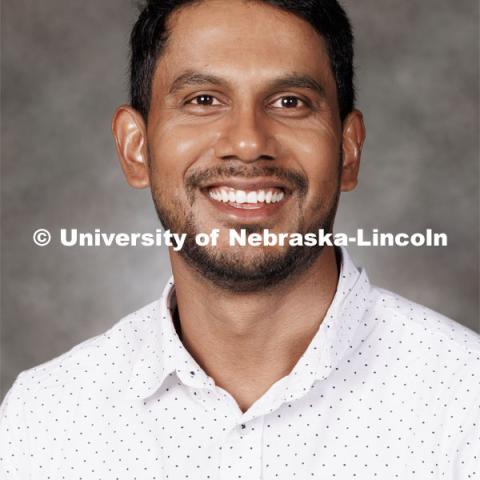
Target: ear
[[352, 143], [130, 135]]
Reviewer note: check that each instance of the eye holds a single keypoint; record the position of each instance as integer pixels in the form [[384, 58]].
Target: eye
[[203, 100], [288, 101]]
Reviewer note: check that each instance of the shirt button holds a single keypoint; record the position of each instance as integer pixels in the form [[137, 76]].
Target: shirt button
[[192, 373], [243, 425]]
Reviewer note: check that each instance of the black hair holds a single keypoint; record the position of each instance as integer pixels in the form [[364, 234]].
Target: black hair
[[328, 18]]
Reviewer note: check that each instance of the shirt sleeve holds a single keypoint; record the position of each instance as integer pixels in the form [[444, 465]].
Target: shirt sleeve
[[461, 440], [467, 451], [13, 435]]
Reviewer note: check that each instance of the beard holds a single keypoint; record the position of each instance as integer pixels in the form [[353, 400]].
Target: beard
[[231, 270]]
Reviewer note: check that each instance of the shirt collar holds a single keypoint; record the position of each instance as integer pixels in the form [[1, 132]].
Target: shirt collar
[[163, 353], [337, 332]]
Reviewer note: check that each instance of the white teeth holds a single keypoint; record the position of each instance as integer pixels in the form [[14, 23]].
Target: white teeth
[[277, 197], [240, 196], [230, 195]]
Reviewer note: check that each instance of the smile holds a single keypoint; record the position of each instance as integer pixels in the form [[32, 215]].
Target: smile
[[246, 199]]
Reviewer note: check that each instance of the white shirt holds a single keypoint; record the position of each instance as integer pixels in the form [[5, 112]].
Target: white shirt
[[386, 389]]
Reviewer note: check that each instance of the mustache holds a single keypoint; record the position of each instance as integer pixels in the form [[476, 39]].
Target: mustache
[[198, 178]]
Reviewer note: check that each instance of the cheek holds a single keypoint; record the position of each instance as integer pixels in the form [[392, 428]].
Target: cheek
[[317, 154], [173, 150]]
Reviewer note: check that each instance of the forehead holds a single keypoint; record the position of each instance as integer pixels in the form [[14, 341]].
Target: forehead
[[246, 38]]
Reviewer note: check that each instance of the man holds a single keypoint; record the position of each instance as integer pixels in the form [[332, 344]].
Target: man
[[258, 361]]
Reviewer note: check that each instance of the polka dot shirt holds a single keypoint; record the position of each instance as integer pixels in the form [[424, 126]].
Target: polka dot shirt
[[386, 389]]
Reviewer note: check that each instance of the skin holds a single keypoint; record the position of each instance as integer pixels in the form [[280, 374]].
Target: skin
[[245, 340]]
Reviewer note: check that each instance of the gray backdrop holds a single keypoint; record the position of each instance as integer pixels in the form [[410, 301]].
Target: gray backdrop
[[64, 70]]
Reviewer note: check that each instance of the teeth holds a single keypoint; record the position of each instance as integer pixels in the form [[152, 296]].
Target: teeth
[[230, 195], [240, 196]]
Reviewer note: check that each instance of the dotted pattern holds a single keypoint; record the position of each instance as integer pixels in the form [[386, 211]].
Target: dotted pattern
[[386, 389]]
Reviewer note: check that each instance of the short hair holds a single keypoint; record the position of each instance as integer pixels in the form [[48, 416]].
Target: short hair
[[150, 34]]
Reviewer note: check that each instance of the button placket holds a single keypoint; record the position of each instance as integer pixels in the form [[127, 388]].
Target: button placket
[[242, 453]]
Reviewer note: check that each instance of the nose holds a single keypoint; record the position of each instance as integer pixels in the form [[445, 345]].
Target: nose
[[246, 136]]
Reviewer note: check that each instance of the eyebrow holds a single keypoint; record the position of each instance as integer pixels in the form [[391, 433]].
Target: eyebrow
[[194, 78], [293, 80], [296, 80]]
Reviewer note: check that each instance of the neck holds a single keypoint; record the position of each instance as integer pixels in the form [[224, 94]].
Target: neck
[[248, 341]]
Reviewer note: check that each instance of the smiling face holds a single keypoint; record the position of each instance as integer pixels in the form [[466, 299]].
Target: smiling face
[[243, 132]]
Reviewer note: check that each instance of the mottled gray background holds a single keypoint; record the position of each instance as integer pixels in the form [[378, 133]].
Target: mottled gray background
[[64, 71]]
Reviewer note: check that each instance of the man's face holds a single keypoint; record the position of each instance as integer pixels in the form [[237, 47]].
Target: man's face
[[244, 132]]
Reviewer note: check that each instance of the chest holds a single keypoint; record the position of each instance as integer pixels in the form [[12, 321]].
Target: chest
[[330, 432]]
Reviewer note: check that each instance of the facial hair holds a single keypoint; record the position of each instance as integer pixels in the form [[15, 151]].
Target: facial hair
[[229, 270]]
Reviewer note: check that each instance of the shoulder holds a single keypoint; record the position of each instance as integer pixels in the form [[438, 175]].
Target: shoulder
[[438, 352], [90, 362], [410, 318]]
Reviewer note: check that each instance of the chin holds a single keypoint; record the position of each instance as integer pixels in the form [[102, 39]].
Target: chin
[[249, 269]]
